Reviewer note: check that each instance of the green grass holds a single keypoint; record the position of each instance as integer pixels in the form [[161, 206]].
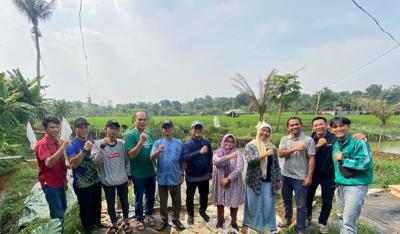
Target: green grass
[[386, 172]]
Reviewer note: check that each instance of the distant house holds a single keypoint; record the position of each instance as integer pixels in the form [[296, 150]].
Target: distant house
[[234, 112]]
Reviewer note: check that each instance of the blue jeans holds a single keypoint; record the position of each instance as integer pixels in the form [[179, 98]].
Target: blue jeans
[[57, 201], [259, 209], [122, 191], [349, 201], [146, 186], [288, 186]]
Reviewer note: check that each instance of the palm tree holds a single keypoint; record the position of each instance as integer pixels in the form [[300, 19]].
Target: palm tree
[[259, 102], [36, 10], [284, 89], [61, 108]]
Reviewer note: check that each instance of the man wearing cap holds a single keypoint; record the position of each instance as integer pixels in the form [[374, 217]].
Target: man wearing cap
[[166, 153], [197, 153], [52, 173], [114, 169], [86, 182], [138, 143]]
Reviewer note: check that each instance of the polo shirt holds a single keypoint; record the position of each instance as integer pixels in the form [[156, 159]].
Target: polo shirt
[[168, 162]]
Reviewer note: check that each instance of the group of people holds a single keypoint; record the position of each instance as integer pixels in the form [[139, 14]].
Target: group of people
[[332, 160]]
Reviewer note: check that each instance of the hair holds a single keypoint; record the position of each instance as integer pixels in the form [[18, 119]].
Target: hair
[[340, 120], [50, 119], [293, 117], [318, 118]]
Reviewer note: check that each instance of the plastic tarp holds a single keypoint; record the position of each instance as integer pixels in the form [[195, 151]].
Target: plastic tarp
[[36, 205]]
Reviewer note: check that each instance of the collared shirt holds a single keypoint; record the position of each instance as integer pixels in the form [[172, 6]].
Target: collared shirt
[[55, 177], [168, 162], [85, 174], [296, 165]]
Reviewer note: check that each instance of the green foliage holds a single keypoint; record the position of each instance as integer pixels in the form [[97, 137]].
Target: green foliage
[[381, 108], [54, 226], [60, 108], [386, 172]]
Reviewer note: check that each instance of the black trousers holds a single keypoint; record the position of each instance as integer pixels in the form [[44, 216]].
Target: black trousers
[[190, 191], [89, 200], [328, 189]]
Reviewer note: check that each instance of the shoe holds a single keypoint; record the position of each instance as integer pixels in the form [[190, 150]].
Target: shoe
[[323, 228], [285, 223], [219, 225], [235, 226], [204, 215], [190, 220], [163, 225], [308, 222], [178, 225]]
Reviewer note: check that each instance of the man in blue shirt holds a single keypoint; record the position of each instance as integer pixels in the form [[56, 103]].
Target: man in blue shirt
[[86, 182], [166, 153]]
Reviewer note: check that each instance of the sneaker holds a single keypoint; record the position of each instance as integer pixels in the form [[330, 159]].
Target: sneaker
[[163, 225], [323, 228], [204, 215], [235, 226], [219, 225], [178, 225], [285, 223], [150, 220], [190, 220]]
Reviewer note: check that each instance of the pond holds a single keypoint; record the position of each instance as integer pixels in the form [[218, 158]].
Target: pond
[[387, 146]]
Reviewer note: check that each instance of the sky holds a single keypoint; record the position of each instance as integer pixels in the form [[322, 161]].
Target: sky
[[146, 51]]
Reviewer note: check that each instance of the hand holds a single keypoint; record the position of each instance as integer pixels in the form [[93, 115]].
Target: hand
[[359, 136], [278, 184], [307, 181], [232, 155], [129, 182], [321, 141], [269, 152], [209, 176], [105, 141], [338, 156], [203, 150], [299, 147], [143, 137], [88, 145], [65, 144], [224, 182], [161, 148], [181, 179]]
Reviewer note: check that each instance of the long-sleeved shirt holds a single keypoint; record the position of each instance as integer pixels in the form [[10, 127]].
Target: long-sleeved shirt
[[197, 165], [113, 163]]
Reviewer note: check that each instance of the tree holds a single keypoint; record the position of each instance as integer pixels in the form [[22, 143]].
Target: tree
[[284, 89], [259, 102], [36, 10], [374, 91], [61, 108]]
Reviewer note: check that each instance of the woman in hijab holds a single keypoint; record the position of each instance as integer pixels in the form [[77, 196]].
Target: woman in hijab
[[262, 178], [227, 180]]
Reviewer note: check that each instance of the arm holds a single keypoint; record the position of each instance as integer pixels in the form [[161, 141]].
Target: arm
[[76, 160], [283, 149], [127, 161], [155, 152], [251, 154], [362, 157], [237, 173], [99, 154], [187, 155], [276, 169], [53, 159], [220, 161]]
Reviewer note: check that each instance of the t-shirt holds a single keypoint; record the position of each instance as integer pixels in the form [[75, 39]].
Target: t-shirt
[[168, 162], [141, 165], [296, 165], [85, 174], [55, 177]]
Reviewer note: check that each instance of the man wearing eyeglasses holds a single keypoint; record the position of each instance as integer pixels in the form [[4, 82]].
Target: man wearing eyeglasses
[[139, 142]]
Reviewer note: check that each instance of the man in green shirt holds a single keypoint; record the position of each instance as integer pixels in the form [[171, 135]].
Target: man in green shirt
[[139, 142]]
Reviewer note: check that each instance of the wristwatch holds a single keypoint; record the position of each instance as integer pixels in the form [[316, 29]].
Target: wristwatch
[[85, 151]]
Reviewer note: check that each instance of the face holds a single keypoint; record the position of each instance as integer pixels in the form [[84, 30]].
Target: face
[[140, 120], [229, 143], [197, 131], [340, 130], [265, 132], [319, 126], [167, 131], [81, 131], [112, 131], [294, 126], [53, 129]]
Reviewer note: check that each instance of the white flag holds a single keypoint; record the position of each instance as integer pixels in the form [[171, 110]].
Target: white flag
[[216, 122], [66, 130], [31, 135]]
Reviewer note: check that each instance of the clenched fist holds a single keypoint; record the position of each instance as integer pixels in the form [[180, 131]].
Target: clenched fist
[[203, 150], [143, 137], [88, 145]]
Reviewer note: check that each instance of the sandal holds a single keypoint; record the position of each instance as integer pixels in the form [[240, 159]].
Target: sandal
[[150, 220], [127, 228], [139, 226], [112, 230], [245, 229]]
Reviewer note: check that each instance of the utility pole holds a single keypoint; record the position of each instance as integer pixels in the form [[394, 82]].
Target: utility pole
[[318, 98]]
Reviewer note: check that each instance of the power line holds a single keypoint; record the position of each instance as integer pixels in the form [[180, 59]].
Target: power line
[[376, 22], [84, 51]]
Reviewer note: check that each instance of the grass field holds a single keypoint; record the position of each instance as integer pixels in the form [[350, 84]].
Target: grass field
[[244, 126]]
